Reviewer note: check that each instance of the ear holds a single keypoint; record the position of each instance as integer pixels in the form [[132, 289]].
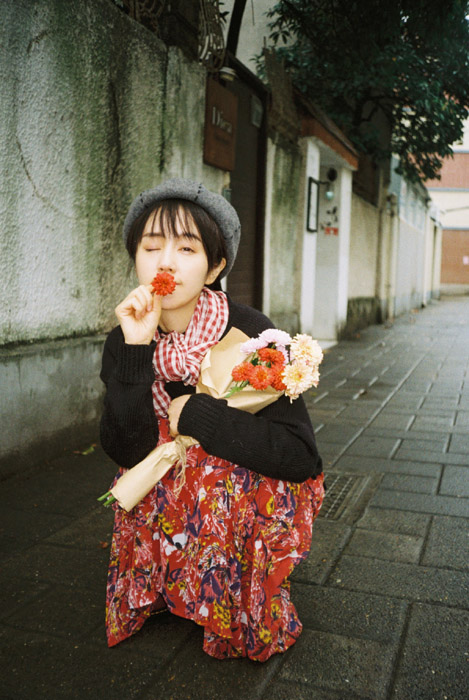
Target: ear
[[214, 272]]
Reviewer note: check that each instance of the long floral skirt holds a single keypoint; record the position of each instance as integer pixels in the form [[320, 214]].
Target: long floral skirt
[[219, 553]]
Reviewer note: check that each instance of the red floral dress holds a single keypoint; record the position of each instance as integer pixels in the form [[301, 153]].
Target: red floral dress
[[220, 554]]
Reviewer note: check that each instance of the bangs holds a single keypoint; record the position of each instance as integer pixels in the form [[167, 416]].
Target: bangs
[[170, 218], [191, 218]]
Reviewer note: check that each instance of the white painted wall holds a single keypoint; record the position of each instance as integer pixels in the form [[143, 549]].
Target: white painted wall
[[332, 256], [308, 267]]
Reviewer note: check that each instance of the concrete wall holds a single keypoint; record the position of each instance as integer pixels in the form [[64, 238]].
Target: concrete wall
[[363, 249], [284, 228], [94, 108], [86, 122]]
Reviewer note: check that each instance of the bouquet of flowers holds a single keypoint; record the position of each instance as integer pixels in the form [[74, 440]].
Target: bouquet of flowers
[[276, 360], [250, 373]]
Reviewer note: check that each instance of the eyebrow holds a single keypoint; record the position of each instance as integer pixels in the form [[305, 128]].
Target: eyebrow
[[188, 235]]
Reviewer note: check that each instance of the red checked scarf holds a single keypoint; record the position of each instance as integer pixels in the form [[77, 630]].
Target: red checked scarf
[[178, 356]]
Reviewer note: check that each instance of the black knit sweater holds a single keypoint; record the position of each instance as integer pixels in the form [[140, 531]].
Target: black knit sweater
[[277, 442]]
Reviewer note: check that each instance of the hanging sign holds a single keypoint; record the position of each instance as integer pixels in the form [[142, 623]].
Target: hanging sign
[[221, 111]]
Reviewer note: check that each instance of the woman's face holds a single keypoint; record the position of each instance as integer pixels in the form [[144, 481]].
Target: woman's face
[[182, 255]]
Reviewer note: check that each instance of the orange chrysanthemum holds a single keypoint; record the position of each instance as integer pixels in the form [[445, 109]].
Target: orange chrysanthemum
[[242, 372], [261, 377], [277, 381], [163, 284], [274, 357]]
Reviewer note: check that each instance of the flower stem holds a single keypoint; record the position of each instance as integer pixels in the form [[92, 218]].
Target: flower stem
[[234, 390]]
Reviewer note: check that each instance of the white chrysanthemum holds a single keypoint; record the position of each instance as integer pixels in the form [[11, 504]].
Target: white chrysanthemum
[[305, 349], [298, 377]]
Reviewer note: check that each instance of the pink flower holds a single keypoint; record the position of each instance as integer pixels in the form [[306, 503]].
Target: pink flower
[[273, 335], [252, 345]]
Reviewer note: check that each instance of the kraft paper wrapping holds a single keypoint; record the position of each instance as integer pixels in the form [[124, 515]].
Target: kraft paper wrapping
[[215, 379]]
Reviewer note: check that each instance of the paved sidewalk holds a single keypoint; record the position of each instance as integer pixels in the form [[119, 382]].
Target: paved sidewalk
[[384, 594]]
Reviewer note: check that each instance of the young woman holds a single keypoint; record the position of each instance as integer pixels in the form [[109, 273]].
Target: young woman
[[219, 552]]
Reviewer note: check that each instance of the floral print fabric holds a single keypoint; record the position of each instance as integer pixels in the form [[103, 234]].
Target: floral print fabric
[[219, 553]]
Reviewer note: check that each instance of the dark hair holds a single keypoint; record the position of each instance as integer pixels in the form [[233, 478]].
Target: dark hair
[[172, 211]]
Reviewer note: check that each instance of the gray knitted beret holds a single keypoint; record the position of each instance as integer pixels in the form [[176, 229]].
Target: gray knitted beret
[[214, 204]]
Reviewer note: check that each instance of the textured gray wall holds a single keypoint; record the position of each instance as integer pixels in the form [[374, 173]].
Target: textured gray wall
[[94, 109]]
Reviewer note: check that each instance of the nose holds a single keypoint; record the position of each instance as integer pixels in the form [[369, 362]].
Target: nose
[[166, 262]]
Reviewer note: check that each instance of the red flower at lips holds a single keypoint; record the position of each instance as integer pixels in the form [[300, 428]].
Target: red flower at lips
[[163, 284]]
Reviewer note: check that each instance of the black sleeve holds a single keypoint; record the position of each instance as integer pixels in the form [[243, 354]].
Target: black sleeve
[[129, 425], [277, 442]]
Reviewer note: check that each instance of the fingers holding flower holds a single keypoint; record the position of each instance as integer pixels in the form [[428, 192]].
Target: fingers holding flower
[[139, 315]]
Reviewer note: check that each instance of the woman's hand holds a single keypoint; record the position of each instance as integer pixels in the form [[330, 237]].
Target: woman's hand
[[174, 412], [139, 315]]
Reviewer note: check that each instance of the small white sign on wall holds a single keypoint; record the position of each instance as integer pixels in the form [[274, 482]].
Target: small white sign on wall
[[465, 259]]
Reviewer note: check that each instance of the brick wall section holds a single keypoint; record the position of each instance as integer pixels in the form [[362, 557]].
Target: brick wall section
[[454, 173], [455, 257]]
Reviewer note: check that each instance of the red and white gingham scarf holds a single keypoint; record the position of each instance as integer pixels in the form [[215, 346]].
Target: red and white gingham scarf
[[178, 356]]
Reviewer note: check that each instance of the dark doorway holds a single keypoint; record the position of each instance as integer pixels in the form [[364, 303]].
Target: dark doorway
[[248, 187]]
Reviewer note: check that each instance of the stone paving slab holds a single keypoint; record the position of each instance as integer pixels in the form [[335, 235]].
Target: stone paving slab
[[374, 447], [448, 543], [418, 436], [393, 421], [40, 666], [92, 531], [360, 665], [432, 424], [396, 521], [351, 614], [328, 541], [460, 443], [421, 503], [192, 675], [399, 580], [22, 529], [75, 619], [289, 690], [409, 483], [385, 545], [83, 568], [351, 463], [438, 669], [455, 481], [408, 453]]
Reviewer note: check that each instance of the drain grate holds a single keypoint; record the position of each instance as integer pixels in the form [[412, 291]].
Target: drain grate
[[342, 490]]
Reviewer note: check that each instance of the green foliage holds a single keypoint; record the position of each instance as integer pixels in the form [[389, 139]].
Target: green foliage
[[406, 61]]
